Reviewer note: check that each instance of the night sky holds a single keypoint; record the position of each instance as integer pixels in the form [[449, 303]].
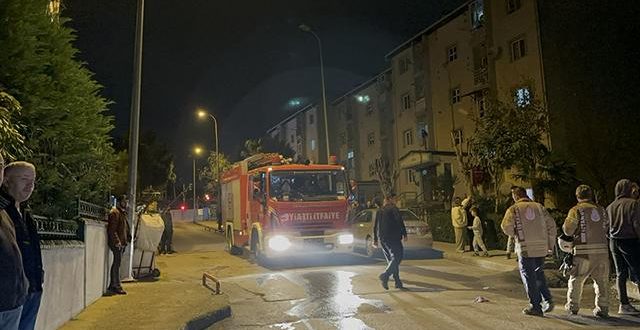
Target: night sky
[[242, 60]]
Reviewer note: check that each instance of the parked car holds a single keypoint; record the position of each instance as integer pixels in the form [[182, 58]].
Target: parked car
[[418, 233]]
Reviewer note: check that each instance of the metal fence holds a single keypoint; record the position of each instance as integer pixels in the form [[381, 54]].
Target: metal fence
[[62, 229]]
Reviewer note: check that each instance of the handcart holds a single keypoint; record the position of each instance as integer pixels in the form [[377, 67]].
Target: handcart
[[148, 232]]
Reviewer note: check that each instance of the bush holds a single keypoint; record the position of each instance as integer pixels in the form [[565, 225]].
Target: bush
[[440, 224]]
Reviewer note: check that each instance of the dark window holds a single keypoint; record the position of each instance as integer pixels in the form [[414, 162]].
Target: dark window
[[518, 49], [512, 5]]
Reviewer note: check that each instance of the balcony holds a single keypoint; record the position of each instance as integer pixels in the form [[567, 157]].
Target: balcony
[[480, 77]]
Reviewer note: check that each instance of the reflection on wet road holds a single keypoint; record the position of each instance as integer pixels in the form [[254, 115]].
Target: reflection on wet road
[[330, 296]]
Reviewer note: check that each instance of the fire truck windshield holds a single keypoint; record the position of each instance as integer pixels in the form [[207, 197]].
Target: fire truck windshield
[[307, 185]]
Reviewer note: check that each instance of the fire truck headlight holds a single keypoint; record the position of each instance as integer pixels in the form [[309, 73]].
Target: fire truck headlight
[[345, 239], [279, 243]]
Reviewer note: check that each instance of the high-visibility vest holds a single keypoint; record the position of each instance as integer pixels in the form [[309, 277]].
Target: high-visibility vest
[[591, 235]]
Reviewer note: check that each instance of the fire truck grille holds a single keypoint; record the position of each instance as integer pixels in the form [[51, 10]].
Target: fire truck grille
[[312, 233]]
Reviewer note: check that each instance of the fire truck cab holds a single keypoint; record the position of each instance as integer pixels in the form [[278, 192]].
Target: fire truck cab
[[278, 209]]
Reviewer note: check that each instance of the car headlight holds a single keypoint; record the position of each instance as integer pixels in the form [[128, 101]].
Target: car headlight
[[279, 243], [345, 239]]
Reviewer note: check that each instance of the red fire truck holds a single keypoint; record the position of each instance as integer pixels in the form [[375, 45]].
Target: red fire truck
[[277, 209]]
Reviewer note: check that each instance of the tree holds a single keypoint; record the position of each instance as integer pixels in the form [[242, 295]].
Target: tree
[[387, 175], [270, 144], [208, 172], [63, 118], [154, 162], [510, 135], [251, 147], [172, 177], [11, 141]]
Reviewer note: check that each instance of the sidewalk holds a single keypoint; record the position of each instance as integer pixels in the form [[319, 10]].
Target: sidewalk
[[498, 260], [176, 300]]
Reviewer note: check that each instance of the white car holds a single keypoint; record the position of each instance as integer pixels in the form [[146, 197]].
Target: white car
[[418, 233]]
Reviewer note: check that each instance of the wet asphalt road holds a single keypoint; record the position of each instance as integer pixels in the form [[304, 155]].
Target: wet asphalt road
[[343, 292]]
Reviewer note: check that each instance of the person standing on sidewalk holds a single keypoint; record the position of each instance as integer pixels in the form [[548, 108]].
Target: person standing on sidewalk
[[390, 230], [587, 223], [17, 187], [118, 233], [624, 234], [459, 223], [167, 234], [535, 236], [476, 227], [13, 282]]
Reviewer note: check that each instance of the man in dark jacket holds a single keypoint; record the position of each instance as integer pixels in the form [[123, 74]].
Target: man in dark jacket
[[18, 184], [167, 234], [389, 229], [13, 283], [118, 238], [624, 234]]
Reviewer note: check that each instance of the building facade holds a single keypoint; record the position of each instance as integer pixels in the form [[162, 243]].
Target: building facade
[[301, 132]]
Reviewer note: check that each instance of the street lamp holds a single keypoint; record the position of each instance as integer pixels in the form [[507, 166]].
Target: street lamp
[[306, 28], [196, 152], [203, 114]]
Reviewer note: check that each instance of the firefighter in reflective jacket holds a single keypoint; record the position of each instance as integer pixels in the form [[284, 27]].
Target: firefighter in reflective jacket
[[587, 223], [535, 234]]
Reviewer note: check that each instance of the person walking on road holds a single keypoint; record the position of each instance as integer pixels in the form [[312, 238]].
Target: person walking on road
[[13, 282], [535, 236], [476, 227], [459, 223], [587, 223], [118, 233], [624, 234], [17, 187], [389, 231]]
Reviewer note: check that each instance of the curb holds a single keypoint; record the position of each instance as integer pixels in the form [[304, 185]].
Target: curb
[[208, 319], [477, 261]]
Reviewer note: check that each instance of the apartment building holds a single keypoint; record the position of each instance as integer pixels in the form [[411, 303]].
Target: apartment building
[[442, 78], [302, 132], [360, 129]]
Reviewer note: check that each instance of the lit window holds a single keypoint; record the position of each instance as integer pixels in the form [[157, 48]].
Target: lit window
[[457, 137], [512, 5], [408, 137], [371, 138], [406, 101], [522, 97], [363, 98], [452, 53], [311, 119], [350, 155], [313, 144], [455, 95], [518, 49], [477, 14]]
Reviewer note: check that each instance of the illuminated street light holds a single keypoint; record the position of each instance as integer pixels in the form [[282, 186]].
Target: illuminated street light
[[196, 152], [202, 114], [306, 28]]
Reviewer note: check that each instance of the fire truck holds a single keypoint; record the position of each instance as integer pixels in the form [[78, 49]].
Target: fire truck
[[275, 208]]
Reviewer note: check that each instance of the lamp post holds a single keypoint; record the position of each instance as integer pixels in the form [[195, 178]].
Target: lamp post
[[306, 28], [202, 114], [196, 152], [134, 131]]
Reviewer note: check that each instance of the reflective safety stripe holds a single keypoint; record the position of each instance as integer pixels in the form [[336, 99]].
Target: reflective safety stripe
[[530, 245], [595, 248], [591, 246]]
